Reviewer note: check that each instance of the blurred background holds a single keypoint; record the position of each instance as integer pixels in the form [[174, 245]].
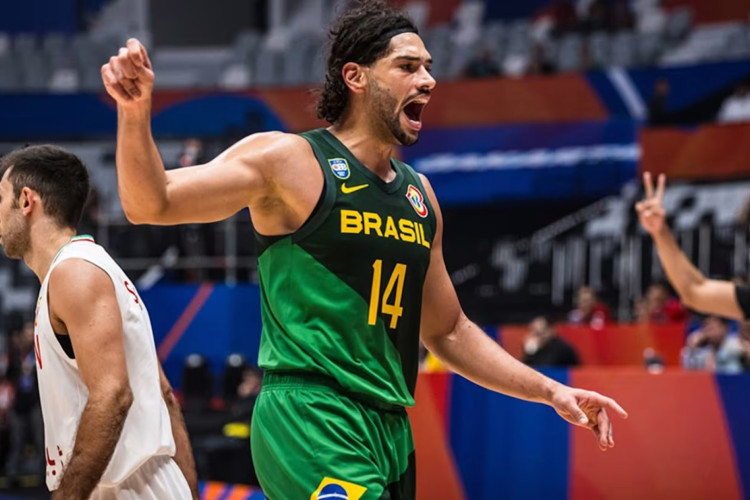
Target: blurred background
[[545, 115]]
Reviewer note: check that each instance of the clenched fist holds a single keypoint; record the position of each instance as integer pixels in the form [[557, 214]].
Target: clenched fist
[[128, 76]]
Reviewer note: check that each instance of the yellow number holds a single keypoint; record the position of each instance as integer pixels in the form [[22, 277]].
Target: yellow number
[[396, 281]]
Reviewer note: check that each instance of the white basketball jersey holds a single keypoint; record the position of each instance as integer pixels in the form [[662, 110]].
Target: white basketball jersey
[[147, 430]]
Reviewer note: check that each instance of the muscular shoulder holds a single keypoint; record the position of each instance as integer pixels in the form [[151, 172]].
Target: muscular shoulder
[[76, 284], [267, 150]]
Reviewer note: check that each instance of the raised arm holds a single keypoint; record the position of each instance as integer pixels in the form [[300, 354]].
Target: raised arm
[[695, 290], [466, 349], [238, 178], [83, 304]]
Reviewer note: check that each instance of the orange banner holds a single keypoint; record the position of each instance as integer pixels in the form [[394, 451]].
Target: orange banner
[[675, 443], [491, 101], [712, 12], [437, 476], [708, 152]]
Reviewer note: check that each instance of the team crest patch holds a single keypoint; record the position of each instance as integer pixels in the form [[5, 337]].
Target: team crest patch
[[335, 489], [417, 201], [340, 167]]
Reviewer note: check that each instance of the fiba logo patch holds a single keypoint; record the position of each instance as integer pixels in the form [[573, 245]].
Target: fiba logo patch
[[417, 201], [339, 167], [335, 489]]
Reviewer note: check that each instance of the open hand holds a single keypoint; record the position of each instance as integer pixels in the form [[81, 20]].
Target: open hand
[[651, 213], [128, 76], [588, 409]]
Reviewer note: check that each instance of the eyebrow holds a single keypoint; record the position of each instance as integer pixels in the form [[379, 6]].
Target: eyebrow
[[413, 58]]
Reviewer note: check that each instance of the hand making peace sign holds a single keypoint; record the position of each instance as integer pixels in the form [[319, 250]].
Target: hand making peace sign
[[650, 210]]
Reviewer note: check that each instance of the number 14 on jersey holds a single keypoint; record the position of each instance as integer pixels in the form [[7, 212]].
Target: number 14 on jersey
[[395, 287]]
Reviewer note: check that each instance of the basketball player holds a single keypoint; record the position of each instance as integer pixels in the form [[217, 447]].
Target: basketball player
[[111, 422], [350, 265], [722, 298]]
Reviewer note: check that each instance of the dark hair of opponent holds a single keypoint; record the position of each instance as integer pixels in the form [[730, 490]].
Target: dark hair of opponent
[[57, 175]]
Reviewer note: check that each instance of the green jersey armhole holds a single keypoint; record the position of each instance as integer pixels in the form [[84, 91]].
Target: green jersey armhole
[[328, 197], [318, 214]]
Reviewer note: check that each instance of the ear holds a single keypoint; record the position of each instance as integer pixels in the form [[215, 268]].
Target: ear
[[355, 77], [27, 200]]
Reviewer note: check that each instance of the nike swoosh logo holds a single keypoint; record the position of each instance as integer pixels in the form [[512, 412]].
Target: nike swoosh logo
[[347, 190]]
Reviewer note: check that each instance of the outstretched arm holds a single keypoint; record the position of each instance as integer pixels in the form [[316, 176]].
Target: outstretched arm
[[83, 302], [236, 179], [184, 452], [466, 349], [695, 290]]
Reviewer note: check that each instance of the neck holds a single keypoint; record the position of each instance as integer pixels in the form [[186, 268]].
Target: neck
[[365, 144], [47, 239]]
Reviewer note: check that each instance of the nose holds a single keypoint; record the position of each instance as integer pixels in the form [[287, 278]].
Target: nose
[[426, 81]]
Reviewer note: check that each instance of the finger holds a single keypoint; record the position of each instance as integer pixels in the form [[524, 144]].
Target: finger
[[604, 428], [578, 415], [146, 60], [112, 85], [126, 83], [662, 182], [125, 64], [611, 404], [134, 52], [648, 185]]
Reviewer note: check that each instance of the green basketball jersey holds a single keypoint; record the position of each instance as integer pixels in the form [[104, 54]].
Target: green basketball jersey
[[342, 296]]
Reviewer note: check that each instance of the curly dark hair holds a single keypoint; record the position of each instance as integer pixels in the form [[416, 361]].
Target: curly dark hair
[[356, 36]]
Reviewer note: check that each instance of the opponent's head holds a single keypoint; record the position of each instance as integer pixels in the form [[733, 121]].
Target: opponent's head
[[39, 182], [376, 57]]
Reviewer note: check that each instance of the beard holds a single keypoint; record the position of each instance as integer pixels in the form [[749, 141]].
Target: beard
[[383, 105], [16, 240]]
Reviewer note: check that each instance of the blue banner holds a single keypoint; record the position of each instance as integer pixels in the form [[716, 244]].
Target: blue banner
[[481, 164], [34, 117]]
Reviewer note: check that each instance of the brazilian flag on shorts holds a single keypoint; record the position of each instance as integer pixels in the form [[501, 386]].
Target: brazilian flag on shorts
[[342, 296]]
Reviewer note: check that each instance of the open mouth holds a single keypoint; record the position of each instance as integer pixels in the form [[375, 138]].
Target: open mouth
[[413, 113]]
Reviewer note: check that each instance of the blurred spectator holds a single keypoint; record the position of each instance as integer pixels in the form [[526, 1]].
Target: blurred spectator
[[657, 106], [743, 336], [539, 63], [736, 108], [652, 361], [650, 16], [640, 311], [543, 347], [711, 348], [247, 392], [564, 17], [596, 18], [25, 417], [482, 66], [661, 308], [193, 153], [557, 18], [622, 16], [7, 393], [589, 310]]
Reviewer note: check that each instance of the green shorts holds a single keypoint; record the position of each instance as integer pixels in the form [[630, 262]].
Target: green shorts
[[310, 440]]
